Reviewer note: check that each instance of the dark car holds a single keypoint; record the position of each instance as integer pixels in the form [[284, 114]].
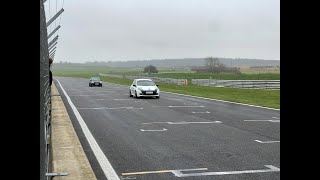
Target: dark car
[[95, 81]]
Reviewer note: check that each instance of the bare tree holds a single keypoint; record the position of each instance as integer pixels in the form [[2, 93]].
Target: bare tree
[[220, 68], [212, 64]]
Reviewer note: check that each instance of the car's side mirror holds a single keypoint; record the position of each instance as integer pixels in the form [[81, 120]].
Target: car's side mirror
[[134, 85], [157, 85]]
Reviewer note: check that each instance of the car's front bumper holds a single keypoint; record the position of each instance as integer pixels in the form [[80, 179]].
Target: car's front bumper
[[148, 93], [96, 84]]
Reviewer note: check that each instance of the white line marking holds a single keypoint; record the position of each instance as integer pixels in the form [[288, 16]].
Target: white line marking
[[184, 122], [67, 147], [102, 159], [264, 120], [112, 99], [128, 177], [98, 91], [207, 112], [271, 169], [160, 171], [111, 108], [275, 117], [221, 101], [175, 99], [266, 141], [194, 122], [196, 169], [179, 173], [177, 106], [154, 129], [91, 95], [190, 103]]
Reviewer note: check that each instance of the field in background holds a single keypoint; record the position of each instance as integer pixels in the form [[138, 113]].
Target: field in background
[[262, 71], [171, 73], [267, 98]]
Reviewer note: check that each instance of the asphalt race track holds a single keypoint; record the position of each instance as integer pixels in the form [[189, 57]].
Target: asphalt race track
[[174, 137]]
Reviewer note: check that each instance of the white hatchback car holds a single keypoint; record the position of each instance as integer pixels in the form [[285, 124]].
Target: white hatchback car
[[144, 88]]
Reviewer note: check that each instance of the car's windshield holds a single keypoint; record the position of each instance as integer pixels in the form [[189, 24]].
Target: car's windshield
[[145, 83], [95, 79]]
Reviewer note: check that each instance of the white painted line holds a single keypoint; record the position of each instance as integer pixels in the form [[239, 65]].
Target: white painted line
[[161, 171], [221, 101], [67, 147], [194, 122], [102, 159], [190, 103], [271, 169], [112, 108], [266, 141], [175, 99], [99, 91], [90, 95], [275, 117], [154, 130], [157, 123], [265, 120], [112, 99], [184, 122], [177, 106], [128, 177], [146, 172], [206, 112], [196, 169], [179, 173]]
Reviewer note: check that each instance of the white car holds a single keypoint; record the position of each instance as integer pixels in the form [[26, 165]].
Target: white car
[[144, 88]]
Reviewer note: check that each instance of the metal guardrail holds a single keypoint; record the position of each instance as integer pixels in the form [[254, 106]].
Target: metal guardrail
[[249, 84]]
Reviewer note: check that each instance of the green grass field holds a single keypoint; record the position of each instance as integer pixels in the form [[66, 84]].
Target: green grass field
[[267, 98], [172, 73]]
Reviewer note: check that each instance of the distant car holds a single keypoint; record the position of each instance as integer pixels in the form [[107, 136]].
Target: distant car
[[95, 81], [144, 88]]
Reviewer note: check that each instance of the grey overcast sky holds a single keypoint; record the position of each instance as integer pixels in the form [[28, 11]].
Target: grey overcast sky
[[120, 30]]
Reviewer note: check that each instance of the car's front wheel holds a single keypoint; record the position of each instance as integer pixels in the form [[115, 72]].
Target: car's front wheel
[[136, 96]]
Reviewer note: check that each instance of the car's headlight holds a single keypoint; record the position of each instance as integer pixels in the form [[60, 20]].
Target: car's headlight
[[140, 89], [100, 81]]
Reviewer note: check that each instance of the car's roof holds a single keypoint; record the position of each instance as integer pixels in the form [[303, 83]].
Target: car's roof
[[94, 78], [143, 79]]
